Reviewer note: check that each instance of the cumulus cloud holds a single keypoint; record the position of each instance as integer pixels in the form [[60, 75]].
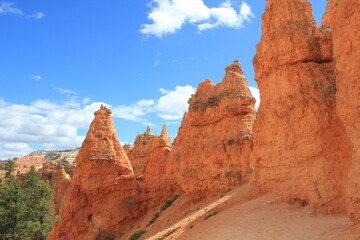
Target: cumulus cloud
[[50, 124], [256, 94], [174, 103], [170, 106], [168, 16], [56, 125], [136, 111], [11, 150]]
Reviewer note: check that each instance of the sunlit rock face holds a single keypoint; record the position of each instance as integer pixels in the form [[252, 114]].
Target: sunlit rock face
[[301, 150], [343, 17], [103, 191], [212, 148]]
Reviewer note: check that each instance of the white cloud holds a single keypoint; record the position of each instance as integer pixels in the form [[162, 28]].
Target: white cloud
[[64, 91], [56, 125], [11, 150], [134, 112], [37, 15], [36, 77], [7, 7], [256, 94], [170, 106], [168, 16], [174, 103], [163, 91], [50, 124], [86, 100]]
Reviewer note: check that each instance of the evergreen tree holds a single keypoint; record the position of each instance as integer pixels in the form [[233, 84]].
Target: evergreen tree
[[39, 207], [26, 209], [12, 205]]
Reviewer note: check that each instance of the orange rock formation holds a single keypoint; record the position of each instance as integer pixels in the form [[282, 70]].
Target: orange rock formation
[[343, 16], [39, 158], [150, 158], [103, 192], [59, 178], [306, 134], [214, 141], [300, 150]]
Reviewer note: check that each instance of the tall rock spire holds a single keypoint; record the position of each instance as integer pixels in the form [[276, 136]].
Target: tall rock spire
[[103, 191], [100, 145], [300, 148], [164, 137]]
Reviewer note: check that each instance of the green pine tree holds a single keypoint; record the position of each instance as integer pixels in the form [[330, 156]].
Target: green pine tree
[[40, 209], [26, 208], [12, 205]]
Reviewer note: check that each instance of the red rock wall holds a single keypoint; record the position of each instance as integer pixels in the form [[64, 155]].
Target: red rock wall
[[300, 150], [212, 148], [343, 16]]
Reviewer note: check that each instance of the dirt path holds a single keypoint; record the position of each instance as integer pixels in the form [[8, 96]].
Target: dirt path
[[242, 216]]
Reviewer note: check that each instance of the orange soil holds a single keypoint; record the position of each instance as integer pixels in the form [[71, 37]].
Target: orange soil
[[244, 214]]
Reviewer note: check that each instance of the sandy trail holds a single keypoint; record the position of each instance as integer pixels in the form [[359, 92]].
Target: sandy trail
[[245, 216]]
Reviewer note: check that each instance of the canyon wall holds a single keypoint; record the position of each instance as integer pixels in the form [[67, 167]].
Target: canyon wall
[[343, 16], [103, 192], [301, 150], [212, 148]]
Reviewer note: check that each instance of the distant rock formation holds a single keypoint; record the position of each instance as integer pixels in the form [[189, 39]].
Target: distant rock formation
[[39, 158], [301, 150], [212, 148], [103, 192]]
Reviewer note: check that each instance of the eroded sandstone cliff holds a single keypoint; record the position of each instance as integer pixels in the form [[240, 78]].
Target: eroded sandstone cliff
[[300, 150], [212, 148], [150, 158], [343, 17]]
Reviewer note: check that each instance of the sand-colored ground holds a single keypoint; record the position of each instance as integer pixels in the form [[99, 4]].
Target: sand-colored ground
[[243, 214]]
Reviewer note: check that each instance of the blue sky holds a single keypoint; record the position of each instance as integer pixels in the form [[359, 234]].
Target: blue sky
[[59, 60]]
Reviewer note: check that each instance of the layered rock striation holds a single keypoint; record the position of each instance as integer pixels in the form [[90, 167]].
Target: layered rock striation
[[103, 192], [212, 148], [300, 150]]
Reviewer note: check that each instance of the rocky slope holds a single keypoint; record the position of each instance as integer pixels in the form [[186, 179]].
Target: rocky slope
[[301, 149], [212, 148]]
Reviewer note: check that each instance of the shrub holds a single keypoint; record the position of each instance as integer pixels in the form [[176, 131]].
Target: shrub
[[168, 203], [137, 235], [156, 215], [211, 215]]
